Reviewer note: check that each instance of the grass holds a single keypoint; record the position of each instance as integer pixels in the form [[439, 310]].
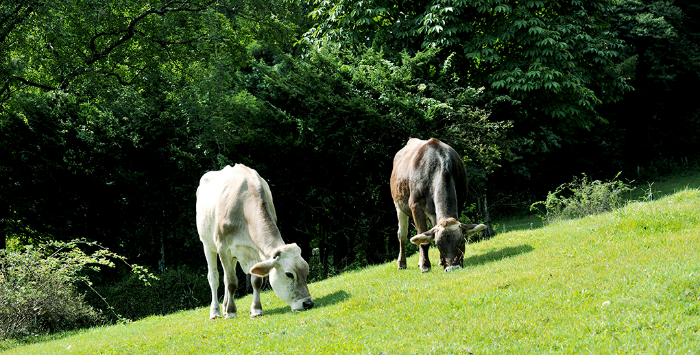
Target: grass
[[668, 185], [627, 281]]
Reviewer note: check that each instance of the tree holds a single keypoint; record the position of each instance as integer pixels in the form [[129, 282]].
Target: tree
[[661, 117], [112, 114], [90, 112], [557, 59]]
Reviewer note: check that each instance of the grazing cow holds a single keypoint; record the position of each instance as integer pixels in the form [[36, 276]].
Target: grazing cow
[[429, 182], [236, 220]]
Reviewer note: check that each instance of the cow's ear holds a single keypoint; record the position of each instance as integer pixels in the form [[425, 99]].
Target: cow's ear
[[470, 229], [422, 239], [432, 231], [263, 268]]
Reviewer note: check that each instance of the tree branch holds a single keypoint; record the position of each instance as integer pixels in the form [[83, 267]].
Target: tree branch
[[19, 17], [31, 83], [119, 78], [3, 96], [131, 28]]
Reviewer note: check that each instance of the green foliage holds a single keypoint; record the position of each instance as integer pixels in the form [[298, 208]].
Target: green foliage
[[581, 198], [37, 297], [38, 288], [560, 55], [134, 101], [83, 47]]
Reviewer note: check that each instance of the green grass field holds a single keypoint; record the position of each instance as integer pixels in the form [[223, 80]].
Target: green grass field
[[622, 282]]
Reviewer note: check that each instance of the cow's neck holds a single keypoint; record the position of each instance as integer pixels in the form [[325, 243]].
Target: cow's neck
[[266, 237], [445, 199]]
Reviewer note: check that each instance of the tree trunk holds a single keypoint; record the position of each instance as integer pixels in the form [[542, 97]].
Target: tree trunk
[[489, 229], [3, 234], [323, 251], [161, 262], [4, 216]]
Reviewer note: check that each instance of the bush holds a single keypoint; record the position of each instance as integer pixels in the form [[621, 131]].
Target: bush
[[39, 288], [37, 295], [581, 198]]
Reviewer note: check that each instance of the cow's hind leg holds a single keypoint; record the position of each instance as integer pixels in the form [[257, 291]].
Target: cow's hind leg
[[403, 235], [230, 283], [256, 306], [213, 278]]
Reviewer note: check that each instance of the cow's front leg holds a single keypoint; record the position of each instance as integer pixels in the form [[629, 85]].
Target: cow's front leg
[[256, 306], [421, 226], [403, 235], [230, 284], [424, 261], [213, 278]]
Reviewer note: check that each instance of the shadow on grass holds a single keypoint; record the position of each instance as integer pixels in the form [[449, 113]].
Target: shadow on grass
[[495, 255], [324, 301]]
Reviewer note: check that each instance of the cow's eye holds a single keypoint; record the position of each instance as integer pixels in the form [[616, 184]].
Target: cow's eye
[[289, 274]]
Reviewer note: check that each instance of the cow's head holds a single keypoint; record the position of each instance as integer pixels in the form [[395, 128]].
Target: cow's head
[[288, 272], [448, 235]]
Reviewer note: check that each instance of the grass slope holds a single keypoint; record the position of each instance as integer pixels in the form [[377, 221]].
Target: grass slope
[[623, 282]]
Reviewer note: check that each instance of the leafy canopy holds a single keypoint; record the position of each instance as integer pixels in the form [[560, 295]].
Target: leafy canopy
[[556, 57]]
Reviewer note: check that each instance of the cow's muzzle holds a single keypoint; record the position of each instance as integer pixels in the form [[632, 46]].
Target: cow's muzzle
[[308, 304], [453, 267]]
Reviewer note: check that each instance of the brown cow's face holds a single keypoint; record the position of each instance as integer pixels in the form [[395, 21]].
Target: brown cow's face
[[448, 235], [450, 243], [288, 272]]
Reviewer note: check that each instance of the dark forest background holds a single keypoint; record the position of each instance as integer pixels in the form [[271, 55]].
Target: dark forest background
[[111, 111]]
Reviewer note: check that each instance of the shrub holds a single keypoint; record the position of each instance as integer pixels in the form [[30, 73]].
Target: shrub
[[37, 295], [581, 198], [38, 288]]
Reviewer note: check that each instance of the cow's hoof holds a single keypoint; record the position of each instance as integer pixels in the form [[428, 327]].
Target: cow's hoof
[[231, 315], [402, 267], [214, 316], [256, 313], [424, 269]]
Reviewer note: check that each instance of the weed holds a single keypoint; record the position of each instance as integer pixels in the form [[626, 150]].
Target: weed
[[581, 198]]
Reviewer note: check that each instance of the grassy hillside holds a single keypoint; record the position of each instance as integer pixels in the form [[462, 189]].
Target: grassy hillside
[[622, 282]]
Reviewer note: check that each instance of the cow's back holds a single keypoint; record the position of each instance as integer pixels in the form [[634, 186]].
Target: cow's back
[[419, 165], [229, 201]]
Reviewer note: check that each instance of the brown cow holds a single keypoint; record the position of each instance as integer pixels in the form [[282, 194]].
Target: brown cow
[[429, 182]]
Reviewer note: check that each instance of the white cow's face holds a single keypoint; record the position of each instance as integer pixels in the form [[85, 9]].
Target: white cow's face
[[288, 272]]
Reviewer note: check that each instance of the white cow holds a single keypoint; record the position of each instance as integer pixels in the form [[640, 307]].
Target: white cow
[[236, 219]]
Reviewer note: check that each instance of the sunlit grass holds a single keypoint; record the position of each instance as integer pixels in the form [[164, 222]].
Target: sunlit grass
[[627, 281]]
